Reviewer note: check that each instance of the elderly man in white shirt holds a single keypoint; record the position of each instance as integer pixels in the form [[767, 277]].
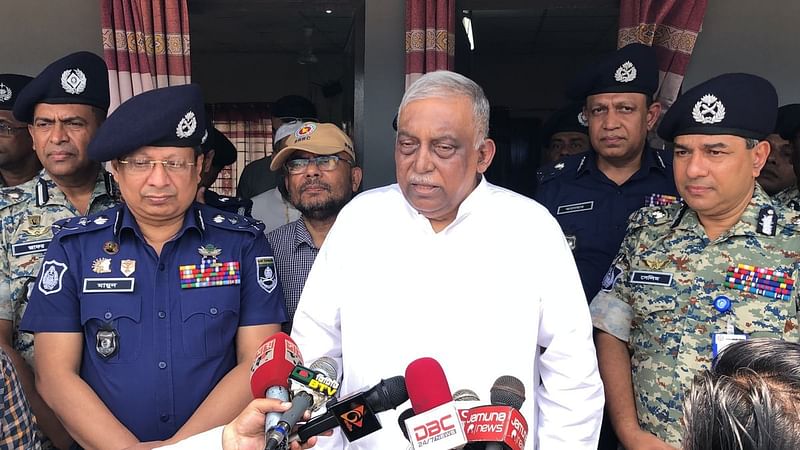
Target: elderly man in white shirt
[[445, 264]]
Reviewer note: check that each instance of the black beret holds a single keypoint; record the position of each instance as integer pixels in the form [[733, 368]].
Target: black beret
[[294, 106], [632, 68], [738, 104], [224, 150], [10, 86], [788, 121], [570, 118], [167, 117], [79, 78]]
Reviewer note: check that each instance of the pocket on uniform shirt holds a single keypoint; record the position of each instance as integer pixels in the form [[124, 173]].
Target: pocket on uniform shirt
[[119, 312], [656, 317], [210, 319]]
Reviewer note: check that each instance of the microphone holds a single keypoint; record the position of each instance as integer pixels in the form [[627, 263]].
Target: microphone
[[499, 426], [312, 387], [401, 421], [356, 415], [435, 425], [466, 399], [269, 374]]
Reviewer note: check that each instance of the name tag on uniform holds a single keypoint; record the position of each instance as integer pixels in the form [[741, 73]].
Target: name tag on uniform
[[575, 207], [30, 247], [721, 340], [656, 278], [102, 285]]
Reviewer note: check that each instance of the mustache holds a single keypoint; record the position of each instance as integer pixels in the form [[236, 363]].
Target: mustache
[[315, 184]]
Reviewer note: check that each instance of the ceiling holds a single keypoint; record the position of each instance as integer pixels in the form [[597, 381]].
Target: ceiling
[[500, 26]]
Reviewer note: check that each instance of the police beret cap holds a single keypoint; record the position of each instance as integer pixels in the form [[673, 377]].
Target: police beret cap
[[166, 117], [632, 68], [566, 119], [11, 85], [737, 104], [788, 121], [78, 78], [224, 150], [294, 106]]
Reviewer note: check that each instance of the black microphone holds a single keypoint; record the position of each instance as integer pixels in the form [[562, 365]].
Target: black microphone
[[356, 415], [311, 387], [401, 421]]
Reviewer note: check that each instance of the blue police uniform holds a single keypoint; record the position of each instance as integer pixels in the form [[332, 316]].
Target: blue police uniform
[[159, 331], [593, 210]]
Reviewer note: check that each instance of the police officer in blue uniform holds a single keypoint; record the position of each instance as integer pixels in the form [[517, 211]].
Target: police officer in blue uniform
[[219, 152], [592, 194], [147, 315], [565, 133]]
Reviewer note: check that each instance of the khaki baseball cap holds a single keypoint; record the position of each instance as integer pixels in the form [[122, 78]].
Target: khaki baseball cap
[[317, 138]]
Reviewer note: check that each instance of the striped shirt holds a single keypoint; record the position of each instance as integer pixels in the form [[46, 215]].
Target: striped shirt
[[294, 252], [17, 424]]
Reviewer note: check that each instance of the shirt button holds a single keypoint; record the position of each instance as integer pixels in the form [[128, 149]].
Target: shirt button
[[162, 314], [165, 417], [162, 365], [161, 267], [108, 315], [213, 311]]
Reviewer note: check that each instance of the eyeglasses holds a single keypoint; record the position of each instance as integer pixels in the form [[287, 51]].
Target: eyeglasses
[[324, 163], [291, 120], [8, 130], [146, 165]]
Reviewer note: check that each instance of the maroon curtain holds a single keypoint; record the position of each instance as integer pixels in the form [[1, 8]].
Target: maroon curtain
[[671, 26], [430, 37], [145, 45], [249, 128]]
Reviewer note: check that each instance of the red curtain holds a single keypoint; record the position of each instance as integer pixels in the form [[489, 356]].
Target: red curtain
[[249, 128], [430, 37], [145, 45], [671, 26]]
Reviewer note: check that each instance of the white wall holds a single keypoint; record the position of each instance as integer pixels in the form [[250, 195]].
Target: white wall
[[37, 32], [759, 37]]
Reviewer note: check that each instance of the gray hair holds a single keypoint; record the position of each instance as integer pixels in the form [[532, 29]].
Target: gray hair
[[748, 400], [444, 83]]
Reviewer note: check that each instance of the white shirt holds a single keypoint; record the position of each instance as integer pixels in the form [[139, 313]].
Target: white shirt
[[207, 440], [270, 208], [480, 297]]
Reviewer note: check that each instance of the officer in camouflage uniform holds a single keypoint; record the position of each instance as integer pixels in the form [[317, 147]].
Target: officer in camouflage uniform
[[64, 106], [789, 129], [690, 279]]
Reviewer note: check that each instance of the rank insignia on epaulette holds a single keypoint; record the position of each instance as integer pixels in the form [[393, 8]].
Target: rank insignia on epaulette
[[209, 274], [761, 281], [219, 218], [559, 166], [100, 220]]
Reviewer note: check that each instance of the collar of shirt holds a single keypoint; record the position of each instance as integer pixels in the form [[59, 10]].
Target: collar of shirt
[[301, 235], [651, 160], [192, 219], [464, 209], [50, 194], [747, 225]]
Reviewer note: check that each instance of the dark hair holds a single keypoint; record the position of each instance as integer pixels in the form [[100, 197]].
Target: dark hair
[[749, 400]]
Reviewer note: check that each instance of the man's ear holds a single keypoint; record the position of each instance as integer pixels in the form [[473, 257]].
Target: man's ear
[[485, 155], [760, 155], [653, 113]]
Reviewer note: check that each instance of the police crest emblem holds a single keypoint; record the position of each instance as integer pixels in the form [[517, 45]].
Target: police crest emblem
[[265, 268], [107, 342], [52, 274]]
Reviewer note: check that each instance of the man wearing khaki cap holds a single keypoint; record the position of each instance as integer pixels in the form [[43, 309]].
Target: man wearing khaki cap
[[321, 176]]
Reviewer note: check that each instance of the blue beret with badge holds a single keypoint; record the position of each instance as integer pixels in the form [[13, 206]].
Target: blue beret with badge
[[569, 118], [166, 117], [737, 104], [788, 121], [79, 78], [224, 150], [632, 68], [11, 85]]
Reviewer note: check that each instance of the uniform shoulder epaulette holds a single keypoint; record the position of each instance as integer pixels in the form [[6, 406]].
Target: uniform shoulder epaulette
[[551, 171], [13, 195], [84, 224], [230, 221], [654, 216]]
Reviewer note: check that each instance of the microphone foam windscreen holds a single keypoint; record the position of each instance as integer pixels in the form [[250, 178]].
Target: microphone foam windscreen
[[427, 385], [327, 366], [391, 393], [275, 359], [465, 395], [508, 391]]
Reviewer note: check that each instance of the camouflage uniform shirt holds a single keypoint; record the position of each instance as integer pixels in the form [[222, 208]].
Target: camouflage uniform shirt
[[27, 213], [659, 293], [788, 197]]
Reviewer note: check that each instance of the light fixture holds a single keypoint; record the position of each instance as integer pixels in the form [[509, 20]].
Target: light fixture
[[467, 22]]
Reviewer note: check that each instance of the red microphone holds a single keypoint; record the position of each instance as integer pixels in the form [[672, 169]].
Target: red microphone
[[269, 375], [436, 424]]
